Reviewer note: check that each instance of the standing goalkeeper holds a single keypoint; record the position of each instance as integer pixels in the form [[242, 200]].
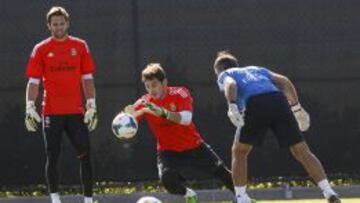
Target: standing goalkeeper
[[64, 64], [259, 100]]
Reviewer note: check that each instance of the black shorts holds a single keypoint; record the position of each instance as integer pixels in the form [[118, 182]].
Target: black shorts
[[269, 111], [74, 127], [200, 162]]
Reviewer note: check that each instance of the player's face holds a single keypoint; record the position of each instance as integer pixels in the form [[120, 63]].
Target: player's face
[[58, 27], [156, 88]]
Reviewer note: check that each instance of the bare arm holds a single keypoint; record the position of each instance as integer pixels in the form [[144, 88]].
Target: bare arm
[[88, 88], [301, 116], [90, 117], [32, 91], [32, 118], [286, 86], [230, 90]]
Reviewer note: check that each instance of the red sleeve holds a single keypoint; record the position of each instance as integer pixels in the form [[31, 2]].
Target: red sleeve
[[35, 64], [87, 63], [184, 100]]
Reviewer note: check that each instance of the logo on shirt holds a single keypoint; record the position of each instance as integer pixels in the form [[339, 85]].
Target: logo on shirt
[[62, 66], [172, 107], [73, 52], [50, 55]]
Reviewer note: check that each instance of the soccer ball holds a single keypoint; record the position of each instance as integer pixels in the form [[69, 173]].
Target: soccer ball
[[124, 126], [148, 199]]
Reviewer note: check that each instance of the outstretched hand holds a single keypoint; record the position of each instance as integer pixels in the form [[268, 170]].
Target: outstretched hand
[[130, 109], [156, 110]]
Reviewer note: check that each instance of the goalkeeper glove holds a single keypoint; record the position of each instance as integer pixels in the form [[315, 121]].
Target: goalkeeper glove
[[236, 117], [302, 117], [157, 110], [90, 117], [130, 109], [32, 118]]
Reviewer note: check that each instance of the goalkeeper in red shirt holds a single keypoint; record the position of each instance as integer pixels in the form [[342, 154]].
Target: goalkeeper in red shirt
[[180, 147], [64, 65]]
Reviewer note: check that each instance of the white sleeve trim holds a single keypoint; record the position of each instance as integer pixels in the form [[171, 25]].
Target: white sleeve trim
[[35, 81], [88, 76], [186, 117]]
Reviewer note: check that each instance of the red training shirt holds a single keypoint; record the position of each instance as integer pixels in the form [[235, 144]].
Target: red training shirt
[[169, 135], [60, 65]]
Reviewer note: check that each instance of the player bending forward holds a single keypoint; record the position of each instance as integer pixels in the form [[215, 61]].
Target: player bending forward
[[258, 100]]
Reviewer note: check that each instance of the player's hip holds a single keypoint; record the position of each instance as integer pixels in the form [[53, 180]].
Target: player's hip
[[202, 156], [62, 120], [62, 109], [270, 103], [178, 143]]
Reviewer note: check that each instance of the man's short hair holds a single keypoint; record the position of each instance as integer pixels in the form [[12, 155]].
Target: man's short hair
[[153, 71], [224, 60], [57, 11]]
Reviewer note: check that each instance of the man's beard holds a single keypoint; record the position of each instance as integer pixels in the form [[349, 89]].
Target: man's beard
[[60, 36]]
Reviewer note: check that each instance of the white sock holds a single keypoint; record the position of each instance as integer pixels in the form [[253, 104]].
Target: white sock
[[55, 197], [240, 190], [88, 200], [324, 185], [243, 199], [189, 193]]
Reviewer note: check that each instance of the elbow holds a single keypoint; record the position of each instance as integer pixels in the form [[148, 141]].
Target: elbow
[[283, 82], [286, 80], [230, 88], [232, 85]]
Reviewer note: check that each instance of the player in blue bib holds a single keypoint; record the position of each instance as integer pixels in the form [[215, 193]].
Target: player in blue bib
[[250, 81], [258, 100]]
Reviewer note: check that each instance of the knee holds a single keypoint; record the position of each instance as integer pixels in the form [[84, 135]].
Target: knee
[[83, 156], [172, 183], [168, 177], [240, 150], [52, 156]]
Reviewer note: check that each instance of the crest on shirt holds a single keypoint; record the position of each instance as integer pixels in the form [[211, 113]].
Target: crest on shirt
[[172, 107], [73, 52], [50, 55]]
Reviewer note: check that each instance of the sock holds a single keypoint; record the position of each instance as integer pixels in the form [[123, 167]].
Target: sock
[[88, 200], [324, 185], [55, 197], [240, 190], [189, 193]]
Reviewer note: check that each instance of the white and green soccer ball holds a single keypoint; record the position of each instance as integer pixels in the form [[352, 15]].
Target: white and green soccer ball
[[124, 126], [148, 199]]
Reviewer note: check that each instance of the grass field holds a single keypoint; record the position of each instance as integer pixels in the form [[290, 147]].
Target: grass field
[[352, 200]]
